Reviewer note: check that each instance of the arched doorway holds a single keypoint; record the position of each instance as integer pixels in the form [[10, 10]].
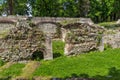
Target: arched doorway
[[38, 55]]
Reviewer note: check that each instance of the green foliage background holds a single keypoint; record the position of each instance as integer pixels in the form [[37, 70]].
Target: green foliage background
[[98, 10]]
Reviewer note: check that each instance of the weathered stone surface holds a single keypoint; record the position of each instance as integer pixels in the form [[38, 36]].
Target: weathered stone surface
[[48, 44], [82, 38], [64, 33], [50, 28], [118, 22], [101, 44], [22, 42], [5, 26], [113, 39], [61, 20], [27, 37], [86, 20]]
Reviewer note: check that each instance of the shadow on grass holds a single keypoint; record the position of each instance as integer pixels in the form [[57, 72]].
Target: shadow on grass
[[114, 74], [6, 78], [56, 55]]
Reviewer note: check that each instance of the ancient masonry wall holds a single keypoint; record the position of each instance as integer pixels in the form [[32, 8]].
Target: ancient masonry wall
[[23, 40], [81, 38], [27, 35], [112, 38]]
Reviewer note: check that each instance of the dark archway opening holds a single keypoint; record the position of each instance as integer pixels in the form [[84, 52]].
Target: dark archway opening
[[37, 55]]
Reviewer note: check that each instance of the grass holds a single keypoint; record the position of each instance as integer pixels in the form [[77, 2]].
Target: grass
[[58, 48], [29, 69], [2, 63], [13, 70], [95, 64], [107, 23], [98, 65], [110, 25]]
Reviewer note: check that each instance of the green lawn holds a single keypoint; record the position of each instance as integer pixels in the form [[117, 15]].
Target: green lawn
[[1, 63], [107, 23], [100, 65], [110, 25], [12, 71], [58, 48]]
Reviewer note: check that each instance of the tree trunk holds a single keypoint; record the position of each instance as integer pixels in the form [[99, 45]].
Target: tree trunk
[[10, 4]]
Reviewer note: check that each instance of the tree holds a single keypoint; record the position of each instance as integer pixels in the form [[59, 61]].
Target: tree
[[98, 10], [70, 8], [116, 10], [20, 7], [10, 4], [83, 7], [13, 7], [45, 8]]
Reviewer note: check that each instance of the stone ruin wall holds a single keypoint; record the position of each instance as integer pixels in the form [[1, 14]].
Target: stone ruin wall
[[81, 38], [5, 26], [21, 52], [52, 29], [61, 20], [112, 38], [118, 22], [84, 37], [23, 40]]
